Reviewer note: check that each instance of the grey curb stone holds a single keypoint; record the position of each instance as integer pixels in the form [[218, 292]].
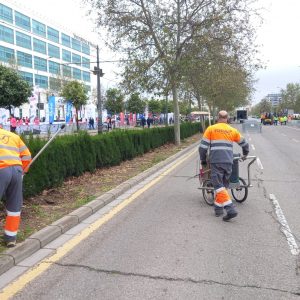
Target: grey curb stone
[[47, 234], [66, 222], [6, 262], [38, 240], [23, 250], [82, 213]]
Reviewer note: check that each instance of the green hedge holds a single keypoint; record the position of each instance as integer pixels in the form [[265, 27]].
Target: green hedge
[[72, 155]]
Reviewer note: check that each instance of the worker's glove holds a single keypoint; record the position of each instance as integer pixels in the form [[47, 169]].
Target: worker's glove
[[244, 157], [203, 163]]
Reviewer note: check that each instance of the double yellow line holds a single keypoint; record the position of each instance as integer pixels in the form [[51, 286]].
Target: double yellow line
[[16, 286]]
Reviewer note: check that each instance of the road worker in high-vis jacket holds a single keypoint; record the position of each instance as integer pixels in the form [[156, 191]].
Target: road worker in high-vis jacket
[[14, 158], [219, 139]]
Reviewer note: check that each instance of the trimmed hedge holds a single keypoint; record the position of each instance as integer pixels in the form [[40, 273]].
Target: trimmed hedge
[[72, 155]]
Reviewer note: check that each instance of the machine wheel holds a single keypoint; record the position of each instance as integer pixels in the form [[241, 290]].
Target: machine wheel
[[209, 196], [240, 194]]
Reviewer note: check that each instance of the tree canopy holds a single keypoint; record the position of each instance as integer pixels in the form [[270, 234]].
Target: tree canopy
[[75, 92], [14, 90], [135, 104], [160, 38], [114, 102]]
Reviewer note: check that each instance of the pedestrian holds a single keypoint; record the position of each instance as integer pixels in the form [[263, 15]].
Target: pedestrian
[[14, 158], [285, 119], [148, 122], [143, 121], [275, 120], [13, 123], [219, 138]]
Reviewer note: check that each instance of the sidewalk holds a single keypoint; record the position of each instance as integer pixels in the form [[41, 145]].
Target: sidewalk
[[33, 249]]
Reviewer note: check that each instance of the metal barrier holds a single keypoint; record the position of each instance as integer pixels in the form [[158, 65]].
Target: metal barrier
[[252, 126]]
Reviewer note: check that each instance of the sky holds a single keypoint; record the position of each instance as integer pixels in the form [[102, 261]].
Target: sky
[[278, 37]]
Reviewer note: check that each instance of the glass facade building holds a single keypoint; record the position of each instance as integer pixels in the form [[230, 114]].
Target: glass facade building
[[42, 52]]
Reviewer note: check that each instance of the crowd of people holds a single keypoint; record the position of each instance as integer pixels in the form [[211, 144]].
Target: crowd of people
[[275, 119]]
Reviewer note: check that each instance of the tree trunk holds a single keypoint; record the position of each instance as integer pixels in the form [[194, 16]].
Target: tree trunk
[[76, 118], [176, 113]]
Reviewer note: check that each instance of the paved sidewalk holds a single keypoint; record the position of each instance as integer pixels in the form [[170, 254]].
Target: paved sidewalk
[[19, 259]]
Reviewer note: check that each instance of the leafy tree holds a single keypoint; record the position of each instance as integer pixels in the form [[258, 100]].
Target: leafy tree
[[264, 106], [114, 100], [158, 37], [154, 106], [135, 104], [75, 92], [14, 90], [290, 97]]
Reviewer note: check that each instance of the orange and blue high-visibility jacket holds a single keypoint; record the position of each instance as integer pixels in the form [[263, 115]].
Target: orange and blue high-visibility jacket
[[13, 151], [219, 139]]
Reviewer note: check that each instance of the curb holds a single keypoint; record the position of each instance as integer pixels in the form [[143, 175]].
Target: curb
[[39, 239]]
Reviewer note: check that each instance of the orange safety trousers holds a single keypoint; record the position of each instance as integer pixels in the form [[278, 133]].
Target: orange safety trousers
[[12, 224], [11, 188], [222, 197]]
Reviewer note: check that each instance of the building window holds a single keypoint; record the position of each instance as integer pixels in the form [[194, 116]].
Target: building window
[[55, 84], [66, 55], [22, 21], [86, 76], [85, 62], [66, 40], [27, 77], [41, 81], [6, 13], [87, 88], [76, 58], [24, 59], [85, 49], [7, 55], [52, 34], [54, 68], [39, 46], [40, 64], [6, 34], [23, 40], [76, 73], [39, 28], [76, 45], [53, 51], [67, 71]]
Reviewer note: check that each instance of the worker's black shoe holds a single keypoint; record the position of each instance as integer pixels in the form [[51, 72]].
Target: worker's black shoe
[[219, 213], [230, 216], [11, 244]]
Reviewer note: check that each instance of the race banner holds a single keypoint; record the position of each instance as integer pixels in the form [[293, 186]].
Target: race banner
[[69, 111], [51, 103], [122, 118]]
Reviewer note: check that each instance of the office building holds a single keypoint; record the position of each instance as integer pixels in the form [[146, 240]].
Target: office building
[[44, 55], [274, 99]]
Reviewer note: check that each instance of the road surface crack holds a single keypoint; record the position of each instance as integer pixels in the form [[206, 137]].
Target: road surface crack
[[172, 279]]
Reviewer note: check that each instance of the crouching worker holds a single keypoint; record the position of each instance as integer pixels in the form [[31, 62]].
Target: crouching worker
[[219, 139], [14, 158]]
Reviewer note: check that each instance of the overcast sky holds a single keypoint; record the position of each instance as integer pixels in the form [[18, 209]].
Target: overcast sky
[[279, 37]]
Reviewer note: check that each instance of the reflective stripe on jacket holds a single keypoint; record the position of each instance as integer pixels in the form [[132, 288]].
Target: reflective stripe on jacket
[[219, 138], [13, 151]]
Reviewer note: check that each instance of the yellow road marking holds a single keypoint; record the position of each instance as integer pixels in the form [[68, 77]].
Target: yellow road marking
[[16, 286]]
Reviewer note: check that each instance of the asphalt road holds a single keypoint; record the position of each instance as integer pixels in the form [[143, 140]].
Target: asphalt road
[[167, 244]]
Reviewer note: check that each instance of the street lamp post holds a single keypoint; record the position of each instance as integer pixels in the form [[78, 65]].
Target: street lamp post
[[97, 71]]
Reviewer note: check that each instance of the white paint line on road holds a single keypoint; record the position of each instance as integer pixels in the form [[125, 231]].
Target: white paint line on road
[[252, 146], [259, 163], [295, 140], [285, 226], [292, 128]]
